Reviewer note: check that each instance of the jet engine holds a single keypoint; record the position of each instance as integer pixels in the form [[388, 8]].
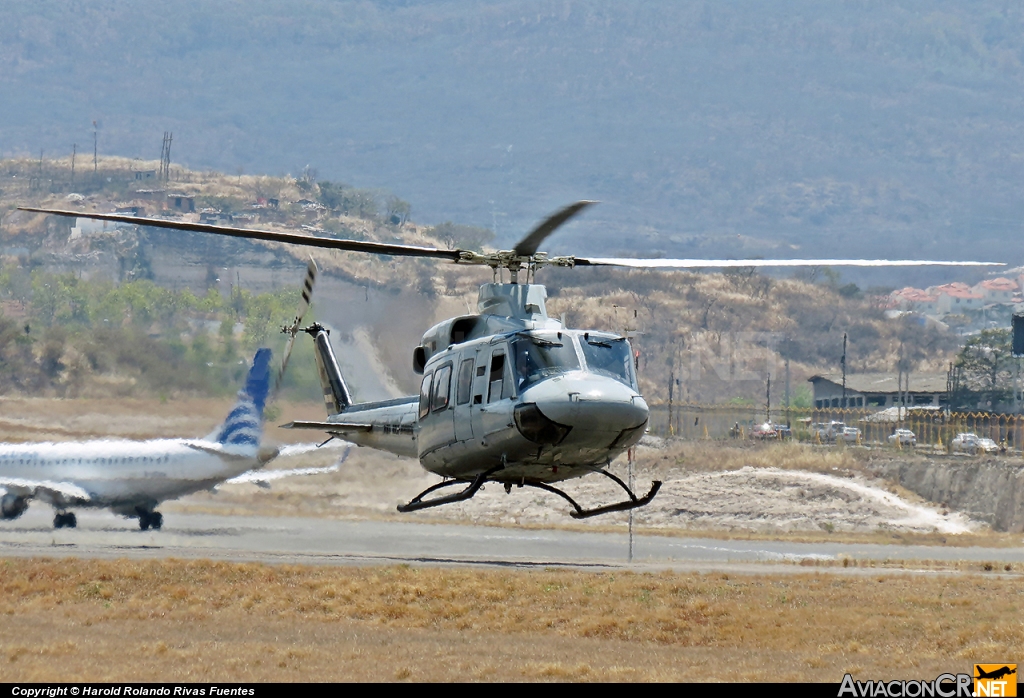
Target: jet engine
[[12, 506]]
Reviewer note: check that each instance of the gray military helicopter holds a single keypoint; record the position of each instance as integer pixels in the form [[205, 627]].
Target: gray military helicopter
[[508, 395]]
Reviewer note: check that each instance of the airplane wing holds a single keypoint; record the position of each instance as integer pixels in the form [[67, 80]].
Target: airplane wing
[[215, 449], [263, 477], [49, 490]]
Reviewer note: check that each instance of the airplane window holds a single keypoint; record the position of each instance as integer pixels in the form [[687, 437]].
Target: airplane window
[[537, 358], [425, 395], [442, 387], [610, 357], [496, 379], [465, 384]]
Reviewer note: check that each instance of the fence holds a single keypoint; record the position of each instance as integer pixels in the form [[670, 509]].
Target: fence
[[932, 427]]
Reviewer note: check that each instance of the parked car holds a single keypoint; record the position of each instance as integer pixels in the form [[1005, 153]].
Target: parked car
[[764, 431], [903, 437], [988, 446], [850, 435], [967, 442], [828, 432]]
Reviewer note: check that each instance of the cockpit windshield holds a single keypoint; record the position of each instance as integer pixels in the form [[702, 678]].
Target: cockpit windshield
[[610, 357], [539, 357]]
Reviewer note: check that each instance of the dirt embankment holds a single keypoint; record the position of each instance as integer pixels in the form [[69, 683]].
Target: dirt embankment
[[986, 489]]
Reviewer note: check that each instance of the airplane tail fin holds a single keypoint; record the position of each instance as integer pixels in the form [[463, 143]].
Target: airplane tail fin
[[336, 394], [244, 424]]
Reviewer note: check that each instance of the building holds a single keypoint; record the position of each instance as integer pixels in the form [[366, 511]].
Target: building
[[914, 300], [182, 202], [999, 290], [956, 298], [878, 390]]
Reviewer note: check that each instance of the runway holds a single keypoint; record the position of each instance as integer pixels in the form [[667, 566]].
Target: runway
[[314, 541]]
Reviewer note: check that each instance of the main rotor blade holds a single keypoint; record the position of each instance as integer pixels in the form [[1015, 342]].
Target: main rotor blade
[[266, 235], [528, 245], [727, 263]]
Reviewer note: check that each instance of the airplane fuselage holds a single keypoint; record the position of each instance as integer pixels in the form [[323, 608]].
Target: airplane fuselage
[[121, 474]]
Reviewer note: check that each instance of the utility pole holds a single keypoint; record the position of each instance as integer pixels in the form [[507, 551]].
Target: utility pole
[[95, 150], [74, 151], [165, 157], [671, 384], [901, 400], [768, 400], [843, 363], [787, 394]]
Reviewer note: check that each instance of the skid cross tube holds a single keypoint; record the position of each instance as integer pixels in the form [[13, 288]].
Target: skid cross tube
[[417, 502]]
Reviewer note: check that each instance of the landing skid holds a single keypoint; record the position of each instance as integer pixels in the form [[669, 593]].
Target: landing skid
[[633, 502]]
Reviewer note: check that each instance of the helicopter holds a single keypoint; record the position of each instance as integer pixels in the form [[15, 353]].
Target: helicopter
[[508, 395]]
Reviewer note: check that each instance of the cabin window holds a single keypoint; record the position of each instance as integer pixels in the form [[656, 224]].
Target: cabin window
[[464, 388], [425, 395], [442, 387], [497, 377]]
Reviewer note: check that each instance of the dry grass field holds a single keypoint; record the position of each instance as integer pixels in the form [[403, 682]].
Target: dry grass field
[[202, 621]]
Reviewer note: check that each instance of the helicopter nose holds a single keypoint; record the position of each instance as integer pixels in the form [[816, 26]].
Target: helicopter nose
[[587, 405]]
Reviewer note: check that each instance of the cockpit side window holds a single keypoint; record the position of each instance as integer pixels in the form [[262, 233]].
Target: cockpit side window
[[610, 357], [425, 395]]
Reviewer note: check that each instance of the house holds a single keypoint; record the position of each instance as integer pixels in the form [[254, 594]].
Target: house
[[1000, 290], [956, 298], [914, 299], [878, 390], [215, 217], [181, 202]]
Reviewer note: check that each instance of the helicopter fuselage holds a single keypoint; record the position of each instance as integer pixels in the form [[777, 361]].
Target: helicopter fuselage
[[546, 405], [532, 405]]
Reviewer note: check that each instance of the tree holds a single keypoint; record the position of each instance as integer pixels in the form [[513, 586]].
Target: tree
[[463, 237], [984, 371], [398, 210]]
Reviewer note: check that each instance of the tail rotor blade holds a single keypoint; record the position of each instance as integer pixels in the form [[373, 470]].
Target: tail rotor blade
[[293, 329]]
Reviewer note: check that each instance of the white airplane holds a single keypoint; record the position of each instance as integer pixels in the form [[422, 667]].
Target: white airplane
[[133, 477]]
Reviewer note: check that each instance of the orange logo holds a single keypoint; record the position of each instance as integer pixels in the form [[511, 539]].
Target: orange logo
[[995, 680]]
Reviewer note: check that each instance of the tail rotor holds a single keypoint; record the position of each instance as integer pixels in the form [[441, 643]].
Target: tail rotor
[[293, 329]]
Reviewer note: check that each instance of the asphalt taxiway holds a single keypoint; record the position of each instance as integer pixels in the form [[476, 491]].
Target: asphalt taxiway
[[315, 541]]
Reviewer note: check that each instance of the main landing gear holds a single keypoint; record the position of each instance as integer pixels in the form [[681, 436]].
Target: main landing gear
[[150, 519], [633, 502], [65, 520]]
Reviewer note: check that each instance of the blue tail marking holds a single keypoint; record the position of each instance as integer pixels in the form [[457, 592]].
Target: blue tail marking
[[244, 425]]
